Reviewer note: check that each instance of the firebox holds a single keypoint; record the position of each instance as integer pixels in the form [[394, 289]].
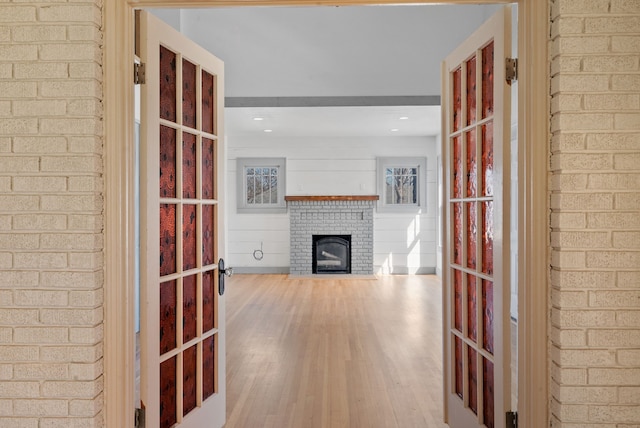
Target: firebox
[[331, 254]]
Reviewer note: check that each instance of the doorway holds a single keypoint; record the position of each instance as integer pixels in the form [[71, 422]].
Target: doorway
[[251, 144], [119, 33]]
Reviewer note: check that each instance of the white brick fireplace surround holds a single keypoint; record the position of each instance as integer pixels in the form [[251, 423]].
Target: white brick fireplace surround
[[331, 215]]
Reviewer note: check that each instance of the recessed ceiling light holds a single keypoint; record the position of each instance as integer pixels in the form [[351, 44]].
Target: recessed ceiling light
[[268, 130], [404, 118], [395, 130], [258, 118]]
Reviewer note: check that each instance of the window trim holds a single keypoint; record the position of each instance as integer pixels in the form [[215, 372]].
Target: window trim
[[420, 163], [241, 185]]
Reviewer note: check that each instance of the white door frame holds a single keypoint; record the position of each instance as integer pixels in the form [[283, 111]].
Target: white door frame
[[533, 217]]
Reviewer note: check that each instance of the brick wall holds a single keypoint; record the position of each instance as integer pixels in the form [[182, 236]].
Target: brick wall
[[50, 214], [595, 218], [308, 218]]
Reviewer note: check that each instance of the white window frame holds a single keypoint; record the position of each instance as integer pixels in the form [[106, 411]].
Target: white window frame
[[420, 163], [241, 185]]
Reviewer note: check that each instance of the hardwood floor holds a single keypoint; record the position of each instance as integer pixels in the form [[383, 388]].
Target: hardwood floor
[[334, 352]]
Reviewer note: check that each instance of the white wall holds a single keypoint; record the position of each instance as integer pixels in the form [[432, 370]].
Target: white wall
[[403, 243], [514, 172], [440, 202]]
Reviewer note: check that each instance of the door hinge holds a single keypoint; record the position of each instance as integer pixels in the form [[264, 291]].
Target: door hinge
[[140, 418], [511, 72], [139, 73], [512, 420]]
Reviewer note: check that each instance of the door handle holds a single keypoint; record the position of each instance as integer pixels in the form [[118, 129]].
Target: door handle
[[222, 273]]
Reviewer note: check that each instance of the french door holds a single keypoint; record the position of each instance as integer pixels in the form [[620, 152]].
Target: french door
[[476, 160], [182, 336]]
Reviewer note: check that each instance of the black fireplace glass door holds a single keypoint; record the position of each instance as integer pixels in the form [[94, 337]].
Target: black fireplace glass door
[[331, 253]]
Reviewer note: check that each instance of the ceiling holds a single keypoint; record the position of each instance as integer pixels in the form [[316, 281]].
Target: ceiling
[[334, 121], [376, 53]]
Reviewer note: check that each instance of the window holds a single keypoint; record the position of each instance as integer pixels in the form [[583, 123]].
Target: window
[[401, 183], [401, 186], [261, 185]]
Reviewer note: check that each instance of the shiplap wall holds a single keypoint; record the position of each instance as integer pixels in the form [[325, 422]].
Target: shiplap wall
[[403, 243]]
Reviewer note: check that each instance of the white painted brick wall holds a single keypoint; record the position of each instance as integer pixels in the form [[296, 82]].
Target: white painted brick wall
[[595, 219], [308, 218], [51, 214]]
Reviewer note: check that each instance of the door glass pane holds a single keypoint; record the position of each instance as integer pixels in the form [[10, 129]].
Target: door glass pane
[[208, 168], [167, 162], [472, 307], [487, 159], [458, 177], [459, 364], [208, 368], [168, 314], [472, 172], [208, 301], [487, 237], [457, 99], [457, 233], [189, 308], [208, 220], [167, 239], [189, 249], [473, 379], [188, 165], [190, 375], [168, 393], [487, 80], [167, 84], [487, 392], [487, 315], [457, 283], [472, 234], [188, 94], [471, 91], [208, 103]]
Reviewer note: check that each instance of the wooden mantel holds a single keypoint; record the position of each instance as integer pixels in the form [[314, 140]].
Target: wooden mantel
[[332, 198]]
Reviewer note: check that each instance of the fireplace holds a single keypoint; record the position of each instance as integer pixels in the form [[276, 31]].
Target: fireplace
[[349, 218], [331, 254]]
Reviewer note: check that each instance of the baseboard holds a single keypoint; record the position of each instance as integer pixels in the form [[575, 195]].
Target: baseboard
[[332, 276], [261, 270], [397, 270], [404, 270]]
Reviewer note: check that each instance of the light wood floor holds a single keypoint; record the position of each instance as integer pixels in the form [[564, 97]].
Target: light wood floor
[[332, 352]]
